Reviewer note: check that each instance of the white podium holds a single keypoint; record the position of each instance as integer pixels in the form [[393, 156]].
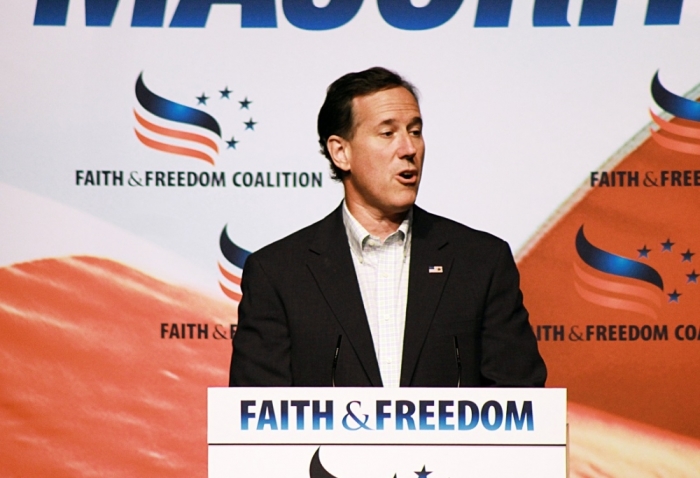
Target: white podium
[[385, 433]]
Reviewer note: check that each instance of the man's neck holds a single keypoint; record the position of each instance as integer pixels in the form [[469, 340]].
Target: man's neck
[[377, 223]]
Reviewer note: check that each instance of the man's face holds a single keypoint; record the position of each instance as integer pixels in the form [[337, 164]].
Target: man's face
[[385, 155]]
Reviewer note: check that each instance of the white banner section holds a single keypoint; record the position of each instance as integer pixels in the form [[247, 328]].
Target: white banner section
[[380, 432]]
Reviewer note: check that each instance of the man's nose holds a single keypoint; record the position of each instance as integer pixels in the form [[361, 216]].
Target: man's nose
[[407, 148]]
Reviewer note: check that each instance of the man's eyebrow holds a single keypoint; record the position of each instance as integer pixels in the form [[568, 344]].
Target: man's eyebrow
[[416, 121], [388, 122]]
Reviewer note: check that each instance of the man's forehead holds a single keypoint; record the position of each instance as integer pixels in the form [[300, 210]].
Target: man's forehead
[[382, 105]]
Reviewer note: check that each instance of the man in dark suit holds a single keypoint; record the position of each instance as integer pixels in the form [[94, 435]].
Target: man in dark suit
[[380, 292]]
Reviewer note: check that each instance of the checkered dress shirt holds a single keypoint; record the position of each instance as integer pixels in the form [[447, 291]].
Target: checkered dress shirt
[[382, 272]]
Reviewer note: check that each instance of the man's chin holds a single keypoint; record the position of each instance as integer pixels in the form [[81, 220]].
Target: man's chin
[[408, 199], [402, 207]]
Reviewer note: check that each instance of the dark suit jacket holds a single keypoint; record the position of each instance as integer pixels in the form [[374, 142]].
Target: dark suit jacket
[[301, 293]]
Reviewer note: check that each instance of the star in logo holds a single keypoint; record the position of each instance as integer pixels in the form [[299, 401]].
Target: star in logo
[[423, 473], [232, 143], [692, 277], [245, 103], [673, 296], [202, 100], [644, 252], [225, 92], [687, 256], [250, 125], [666, 246]]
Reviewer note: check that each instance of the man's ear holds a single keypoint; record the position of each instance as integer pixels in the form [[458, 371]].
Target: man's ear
[[339, 150]]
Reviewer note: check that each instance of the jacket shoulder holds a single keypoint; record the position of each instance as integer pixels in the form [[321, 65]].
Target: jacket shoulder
[[295, 242]]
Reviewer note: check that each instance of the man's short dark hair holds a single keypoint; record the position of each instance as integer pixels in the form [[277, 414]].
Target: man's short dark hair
[[336, 116]]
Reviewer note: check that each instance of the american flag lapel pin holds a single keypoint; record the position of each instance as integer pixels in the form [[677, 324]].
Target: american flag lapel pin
[[435, 270]]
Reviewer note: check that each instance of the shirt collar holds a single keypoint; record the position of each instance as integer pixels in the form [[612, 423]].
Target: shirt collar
[[358, 235]]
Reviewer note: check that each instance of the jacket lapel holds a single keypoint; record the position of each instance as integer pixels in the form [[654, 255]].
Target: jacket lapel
[[429, 249], [331, 264]]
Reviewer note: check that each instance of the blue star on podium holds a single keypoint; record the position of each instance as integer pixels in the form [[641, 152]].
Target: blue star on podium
[[202, 100], [423, 473]]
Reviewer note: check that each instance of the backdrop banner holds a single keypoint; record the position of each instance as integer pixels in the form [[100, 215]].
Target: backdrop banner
[[148, 146]]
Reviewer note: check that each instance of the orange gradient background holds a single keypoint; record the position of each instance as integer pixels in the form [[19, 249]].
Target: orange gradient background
[[89, 388], [619, 390]]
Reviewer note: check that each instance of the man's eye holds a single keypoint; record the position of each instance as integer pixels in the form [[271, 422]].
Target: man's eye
[[416, 132], [386, 133]]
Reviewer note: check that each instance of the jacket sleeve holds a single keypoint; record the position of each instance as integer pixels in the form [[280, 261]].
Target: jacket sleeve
[[510, 357], [261, 345]]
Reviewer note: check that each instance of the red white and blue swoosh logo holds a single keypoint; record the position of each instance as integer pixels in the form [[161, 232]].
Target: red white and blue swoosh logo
[[611, 280], [317, 470], [176, 128], [231, 265], [681, 135]]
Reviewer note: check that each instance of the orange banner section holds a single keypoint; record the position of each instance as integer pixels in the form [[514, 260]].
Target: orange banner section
[[624, 361], [107, 373]]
